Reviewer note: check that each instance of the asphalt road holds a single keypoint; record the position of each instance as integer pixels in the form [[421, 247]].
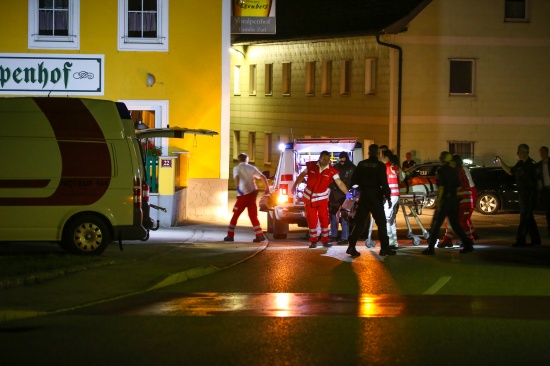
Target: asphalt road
[[290, 305]]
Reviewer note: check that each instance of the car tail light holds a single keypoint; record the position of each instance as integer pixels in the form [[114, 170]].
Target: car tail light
[[282, 196]]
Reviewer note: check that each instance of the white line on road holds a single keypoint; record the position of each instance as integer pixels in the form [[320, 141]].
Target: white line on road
[[437, 286]]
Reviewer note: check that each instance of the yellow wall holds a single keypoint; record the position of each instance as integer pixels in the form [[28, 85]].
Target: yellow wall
[[188, 75]]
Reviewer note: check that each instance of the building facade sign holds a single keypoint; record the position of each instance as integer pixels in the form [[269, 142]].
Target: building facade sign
[[253, 17], [67, 74]]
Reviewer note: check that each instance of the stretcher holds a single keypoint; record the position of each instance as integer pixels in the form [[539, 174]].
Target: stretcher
[[414, 203]]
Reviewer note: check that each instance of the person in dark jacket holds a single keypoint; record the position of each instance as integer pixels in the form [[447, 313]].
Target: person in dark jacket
[[370, 176], [543, 171], [447, 205], [336, 198], [525, 172]]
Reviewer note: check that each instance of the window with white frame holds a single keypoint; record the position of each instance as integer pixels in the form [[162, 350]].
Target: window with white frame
[[237, 80], [462, 77], [345, 77], [143, 25], [252, 146], [326, 77], [252, 79], [54, 24], [516, 11], [286, 79], [463, 148], [310, 78], [268, 90]]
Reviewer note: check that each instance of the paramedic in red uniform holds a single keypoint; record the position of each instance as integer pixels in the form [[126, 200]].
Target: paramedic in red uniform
[[245, 176], [465, 210], [319, 176], [390, 210]]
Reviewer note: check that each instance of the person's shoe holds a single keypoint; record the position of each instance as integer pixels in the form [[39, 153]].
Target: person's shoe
[[386, 251], [333, 238], [394, 247], [259, 239], [228, 238], [353, 252], [443, 244], [327, 244], [467, 249], [343, 242], [313, 245], [428, 251]]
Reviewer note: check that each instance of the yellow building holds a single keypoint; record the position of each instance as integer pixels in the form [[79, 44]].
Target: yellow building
[[165, 59]]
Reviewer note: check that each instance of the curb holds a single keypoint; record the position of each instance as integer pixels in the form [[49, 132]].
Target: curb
[[45, 276], [171, 279]]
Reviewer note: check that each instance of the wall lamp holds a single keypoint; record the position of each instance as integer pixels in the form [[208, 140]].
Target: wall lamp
[[150, 80]]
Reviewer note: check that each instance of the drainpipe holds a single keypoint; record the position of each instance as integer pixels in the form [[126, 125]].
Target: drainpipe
[[398, 152]]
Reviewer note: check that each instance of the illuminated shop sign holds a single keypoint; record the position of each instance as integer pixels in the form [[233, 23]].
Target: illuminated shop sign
[[51, 74], [253, 16]]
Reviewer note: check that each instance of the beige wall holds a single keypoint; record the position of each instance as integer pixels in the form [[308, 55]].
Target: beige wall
[[299, 115], [510, 105]]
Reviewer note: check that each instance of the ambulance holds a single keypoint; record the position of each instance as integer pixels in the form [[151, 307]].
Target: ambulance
[[285, 207], [73, 172]]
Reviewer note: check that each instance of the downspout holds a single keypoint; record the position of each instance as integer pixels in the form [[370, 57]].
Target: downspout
[[399, 87]]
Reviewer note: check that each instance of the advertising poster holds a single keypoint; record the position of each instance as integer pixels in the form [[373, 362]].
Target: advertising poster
[[253, 17]]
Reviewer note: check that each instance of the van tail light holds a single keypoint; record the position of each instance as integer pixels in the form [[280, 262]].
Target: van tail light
[[145, 192], [137, 193]]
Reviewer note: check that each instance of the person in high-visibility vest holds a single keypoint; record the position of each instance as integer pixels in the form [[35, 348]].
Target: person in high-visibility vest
[[319, 176], [392, 172]]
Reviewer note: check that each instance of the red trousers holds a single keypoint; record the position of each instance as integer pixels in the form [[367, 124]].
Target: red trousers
[[314, 214], [464, 219], [247, 201]]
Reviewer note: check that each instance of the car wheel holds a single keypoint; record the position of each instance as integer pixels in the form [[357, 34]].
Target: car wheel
[[430, 202], [86, 235], [488, 203]]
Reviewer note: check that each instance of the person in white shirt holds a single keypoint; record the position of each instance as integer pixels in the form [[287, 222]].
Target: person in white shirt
[[245, 176]]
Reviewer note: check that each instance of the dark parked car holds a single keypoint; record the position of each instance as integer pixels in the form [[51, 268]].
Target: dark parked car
[[496, 190]]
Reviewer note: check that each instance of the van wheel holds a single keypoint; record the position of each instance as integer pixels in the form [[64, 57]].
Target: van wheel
[[86, 235], [280, 229]]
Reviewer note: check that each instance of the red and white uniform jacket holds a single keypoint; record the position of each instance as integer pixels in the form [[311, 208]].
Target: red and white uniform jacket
[[393, 180], [465, 191], [318, 181]]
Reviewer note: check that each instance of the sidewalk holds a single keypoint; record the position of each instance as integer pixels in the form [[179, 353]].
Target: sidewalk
[[171, 256]]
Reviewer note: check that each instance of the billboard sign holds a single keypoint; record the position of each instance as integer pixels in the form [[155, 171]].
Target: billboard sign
[[253, 17], [70, 74]]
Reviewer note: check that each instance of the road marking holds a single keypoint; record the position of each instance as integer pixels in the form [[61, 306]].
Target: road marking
[[437, 286]]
